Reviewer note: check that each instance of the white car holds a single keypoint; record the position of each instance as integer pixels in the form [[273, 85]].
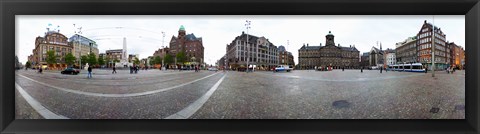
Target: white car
[[286, 68], [212, 69]]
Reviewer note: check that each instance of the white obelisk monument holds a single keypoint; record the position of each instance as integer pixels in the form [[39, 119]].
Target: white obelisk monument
[[124, 54]]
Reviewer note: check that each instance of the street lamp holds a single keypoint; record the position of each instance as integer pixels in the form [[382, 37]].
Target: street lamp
[[79, 45], [248, 54], [163, 50], [433, 47]]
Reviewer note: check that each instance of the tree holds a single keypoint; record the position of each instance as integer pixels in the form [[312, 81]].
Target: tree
[[84, 59], [51, 57], [28, 64], [69, 59], [92, 59], [116, 60], [136, 61], [101, 61], [168, 59], [157, 60], [108, 60], [151, 62], [181, 57]]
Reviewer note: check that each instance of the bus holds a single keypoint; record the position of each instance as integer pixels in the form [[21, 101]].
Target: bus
[[412, 67]]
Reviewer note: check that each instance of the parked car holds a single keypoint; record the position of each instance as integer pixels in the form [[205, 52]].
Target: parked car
[[70, 71]]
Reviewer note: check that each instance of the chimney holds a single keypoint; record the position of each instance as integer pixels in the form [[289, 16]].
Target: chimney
[[243, 32], [425, 21]]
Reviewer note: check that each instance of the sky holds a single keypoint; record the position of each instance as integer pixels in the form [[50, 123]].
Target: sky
[[144, 33]]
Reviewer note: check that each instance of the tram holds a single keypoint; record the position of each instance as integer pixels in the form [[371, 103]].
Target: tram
[[413, 67]]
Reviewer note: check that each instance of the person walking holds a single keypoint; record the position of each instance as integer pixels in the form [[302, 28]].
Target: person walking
[[136, 69], [343, 68], [131, 70], [40, 70], [89, 72], [361, 69], [114, 70], [381, 69]]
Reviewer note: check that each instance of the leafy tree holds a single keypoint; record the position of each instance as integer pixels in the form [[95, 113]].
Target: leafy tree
[[116, 60], [151, 62], [168, 59], [136, 61], [157, 60], [108, 60], [92, 59], [84, 59], [101, 61], [28, 64], [51, 57], [69, 59], [181, 57]]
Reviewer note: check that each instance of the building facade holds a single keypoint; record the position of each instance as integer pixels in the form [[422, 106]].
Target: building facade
[[457, 54], [376, 57], [390, 57], [190, 44], [285, 57], [261, 51], [424, 47], [329, 55], [161, 52], [52, 41], [406, 51], [83, 46], [114, 55], [364, 61]]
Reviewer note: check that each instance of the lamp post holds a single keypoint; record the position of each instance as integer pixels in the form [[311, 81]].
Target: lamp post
[[163, 50], [79, 45], [248, 54], [433, 47]]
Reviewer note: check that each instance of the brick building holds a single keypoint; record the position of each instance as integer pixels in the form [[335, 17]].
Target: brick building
[[51, 41], [190, 44]]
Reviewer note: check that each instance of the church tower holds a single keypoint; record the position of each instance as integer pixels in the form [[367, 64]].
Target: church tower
[[181, 32], [329, 39]]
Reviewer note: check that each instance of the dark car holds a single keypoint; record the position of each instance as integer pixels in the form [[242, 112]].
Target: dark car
[[70, 71]]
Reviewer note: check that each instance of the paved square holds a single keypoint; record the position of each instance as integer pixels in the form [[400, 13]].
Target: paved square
[[301, 94]]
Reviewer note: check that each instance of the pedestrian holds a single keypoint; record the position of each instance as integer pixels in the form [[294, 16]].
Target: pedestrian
[[361, 70], [426, 69], [448, 70], [89, 72], [386, 70], [40, 70], [131, 70], [136, 69], [114, 70], [381, 69], [343, 68]]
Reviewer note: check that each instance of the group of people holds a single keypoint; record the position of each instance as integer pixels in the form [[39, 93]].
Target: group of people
[[134, 69], [450, 70]]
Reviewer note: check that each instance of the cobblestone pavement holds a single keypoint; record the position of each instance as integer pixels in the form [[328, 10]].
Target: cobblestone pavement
[[301, 94]]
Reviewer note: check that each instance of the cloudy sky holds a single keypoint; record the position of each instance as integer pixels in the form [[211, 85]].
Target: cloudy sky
[[144, 33]]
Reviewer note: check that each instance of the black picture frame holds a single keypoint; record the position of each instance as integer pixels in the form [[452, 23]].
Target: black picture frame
[[10, 8]]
